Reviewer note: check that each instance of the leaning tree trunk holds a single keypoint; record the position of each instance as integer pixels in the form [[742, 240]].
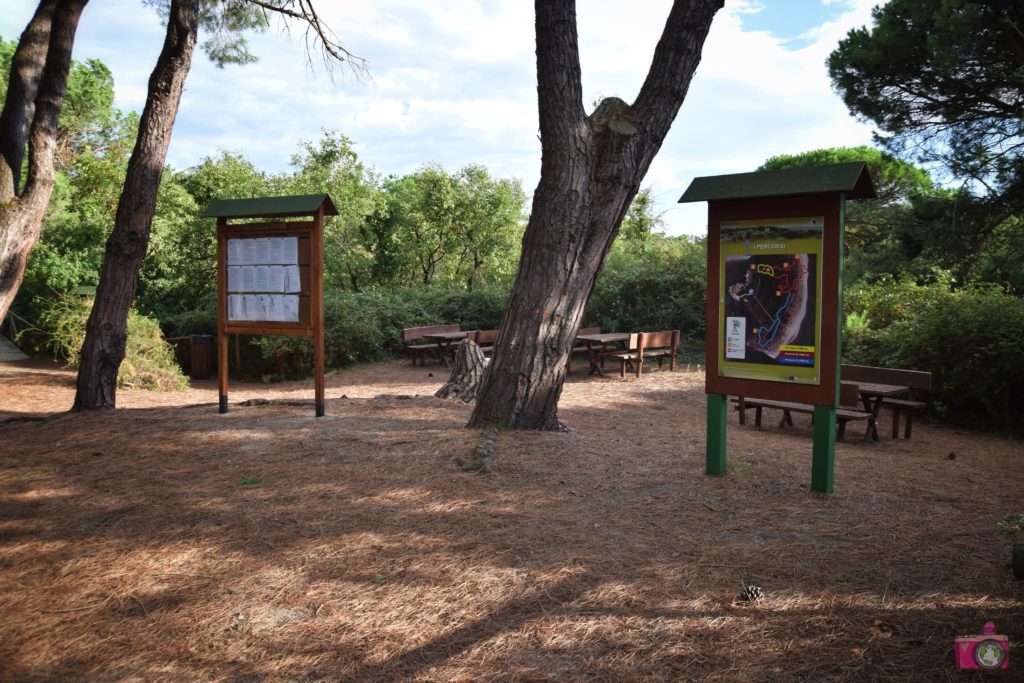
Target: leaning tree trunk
[[106, 331], [21, 217], [591, 169], [19, 105]]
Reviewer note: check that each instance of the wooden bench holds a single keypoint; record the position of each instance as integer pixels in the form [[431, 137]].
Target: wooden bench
[[580, 348], [485, 340], [914, 380], [648, 345], [419, 351], [846, 412]]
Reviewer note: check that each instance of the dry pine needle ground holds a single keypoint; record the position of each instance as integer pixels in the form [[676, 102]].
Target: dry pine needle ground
[[163, 541]]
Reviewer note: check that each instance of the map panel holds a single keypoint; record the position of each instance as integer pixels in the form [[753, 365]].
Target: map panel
[[770, 308]]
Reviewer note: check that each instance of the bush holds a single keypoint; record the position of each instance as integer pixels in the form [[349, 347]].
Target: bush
[[971, 340], [367, 326], [660, 284], [149, 360]]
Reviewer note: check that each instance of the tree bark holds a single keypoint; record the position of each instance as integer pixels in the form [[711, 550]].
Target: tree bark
[[467, 373], [106, 331], [19, 106], [591, 168], [21, 217]]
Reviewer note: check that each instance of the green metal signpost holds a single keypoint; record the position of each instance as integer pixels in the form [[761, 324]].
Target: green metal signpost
[[774, 304]]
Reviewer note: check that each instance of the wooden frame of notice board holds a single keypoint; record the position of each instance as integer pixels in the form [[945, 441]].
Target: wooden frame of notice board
[[270, 275]]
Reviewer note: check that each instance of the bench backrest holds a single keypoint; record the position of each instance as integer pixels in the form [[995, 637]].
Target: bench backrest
[[849, 395], [486, 337], [656, 340], [414, 333], [915, 379]]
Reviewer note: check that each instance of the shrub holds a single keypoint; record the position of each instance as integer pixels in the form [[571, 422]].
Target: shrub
[[971, 340], [367, 326], [149, 360], [658, 285]]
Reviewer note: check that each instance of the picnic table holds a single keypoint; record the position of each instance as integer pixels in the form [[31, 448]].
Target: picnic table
[[446, 342], [598, 347], [872, 394]]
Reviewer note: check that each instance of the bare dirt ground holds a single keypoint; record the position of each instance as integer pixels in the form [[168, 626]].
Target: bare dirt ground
[[166, 542]]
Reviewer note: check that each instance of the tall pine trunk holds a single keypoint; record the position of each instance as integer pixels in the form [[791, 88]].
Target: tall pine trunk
[[106, 331], [591, 169], [39, 78]]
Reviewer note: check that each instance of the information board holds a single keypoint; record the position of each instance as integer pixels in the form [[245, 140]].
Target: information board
[[770, 308]]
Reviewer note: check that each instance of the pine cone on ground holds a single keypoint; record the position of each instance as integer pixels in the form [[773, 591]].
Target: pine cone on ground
[[751, 594]]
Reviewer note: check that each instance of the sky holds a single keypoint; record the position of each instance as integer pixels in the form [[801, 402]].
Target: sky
[[453, 82]]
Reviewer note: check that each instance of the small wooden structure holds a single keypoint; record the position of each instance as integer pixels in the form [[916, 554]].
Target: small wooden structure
[[775, 278], [270, 274]]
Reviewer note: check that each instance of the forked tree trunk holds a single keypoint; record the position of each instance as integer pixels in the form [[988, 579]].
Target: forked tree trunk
[[467, 373], [591, 169], [21, 217], [19, 105], [106, 331]]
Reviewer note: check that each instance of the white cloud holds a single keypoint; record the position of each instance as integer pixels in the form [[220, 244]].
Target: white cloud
[[453, 82]]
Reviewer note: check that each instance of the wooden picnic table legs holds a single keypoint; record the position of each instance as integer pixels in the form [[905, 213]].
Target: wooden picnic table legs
[[596, 357], [872, 405], [445, 347]]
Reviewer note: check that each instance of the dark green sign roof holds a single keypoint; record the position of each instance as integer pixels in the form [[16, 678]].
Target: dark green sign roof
[[851, 178], [268, 207]]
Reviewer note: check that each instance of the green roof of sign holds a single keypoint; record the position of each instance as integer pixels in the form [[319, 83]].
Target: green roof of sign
[[268, 207], [851, 178]]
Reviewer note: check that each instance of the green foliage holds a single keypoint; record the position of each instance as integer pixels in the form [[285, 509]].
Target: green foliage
[[641, 223], [367, 326], [332, 166], [970, 339], [1011, 526], [70, 250], [149, 360], [224, 22], [655, 284], [943, 79], [433, 228]]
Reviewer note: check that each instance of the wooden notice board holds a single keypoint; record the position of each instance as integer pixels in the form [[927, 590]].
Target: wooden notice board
[[270, 274], [774, 295]]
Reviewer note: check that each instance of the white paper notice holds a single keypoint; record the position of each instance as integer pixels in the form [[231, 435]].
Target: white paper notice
[[249, 252], [736, 338], [276, 254], [235, 252], [290, 308], [263, 279], [290, 249], [236, 308], [262, 250], [248, 279], [275, 278], [234, 279], [292, 279]]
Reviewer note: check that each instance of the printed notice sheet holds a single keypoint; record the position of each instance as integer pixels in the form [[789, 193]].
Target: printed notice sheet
[[257, 251], [263, 307]]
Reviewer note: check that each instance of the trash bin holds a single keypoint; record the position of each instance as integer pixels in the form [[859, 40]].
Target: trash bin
[[201, 358]]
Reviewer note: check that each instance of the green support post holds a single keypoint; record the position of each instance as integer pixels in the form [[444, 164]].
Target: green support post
[[823, 458], [718, 408]]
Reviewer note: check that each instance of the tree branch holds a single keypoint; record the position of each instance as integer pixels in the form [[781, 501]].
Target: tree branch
[[321, 33], [675, 60], [19, 105], [559, 82]]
